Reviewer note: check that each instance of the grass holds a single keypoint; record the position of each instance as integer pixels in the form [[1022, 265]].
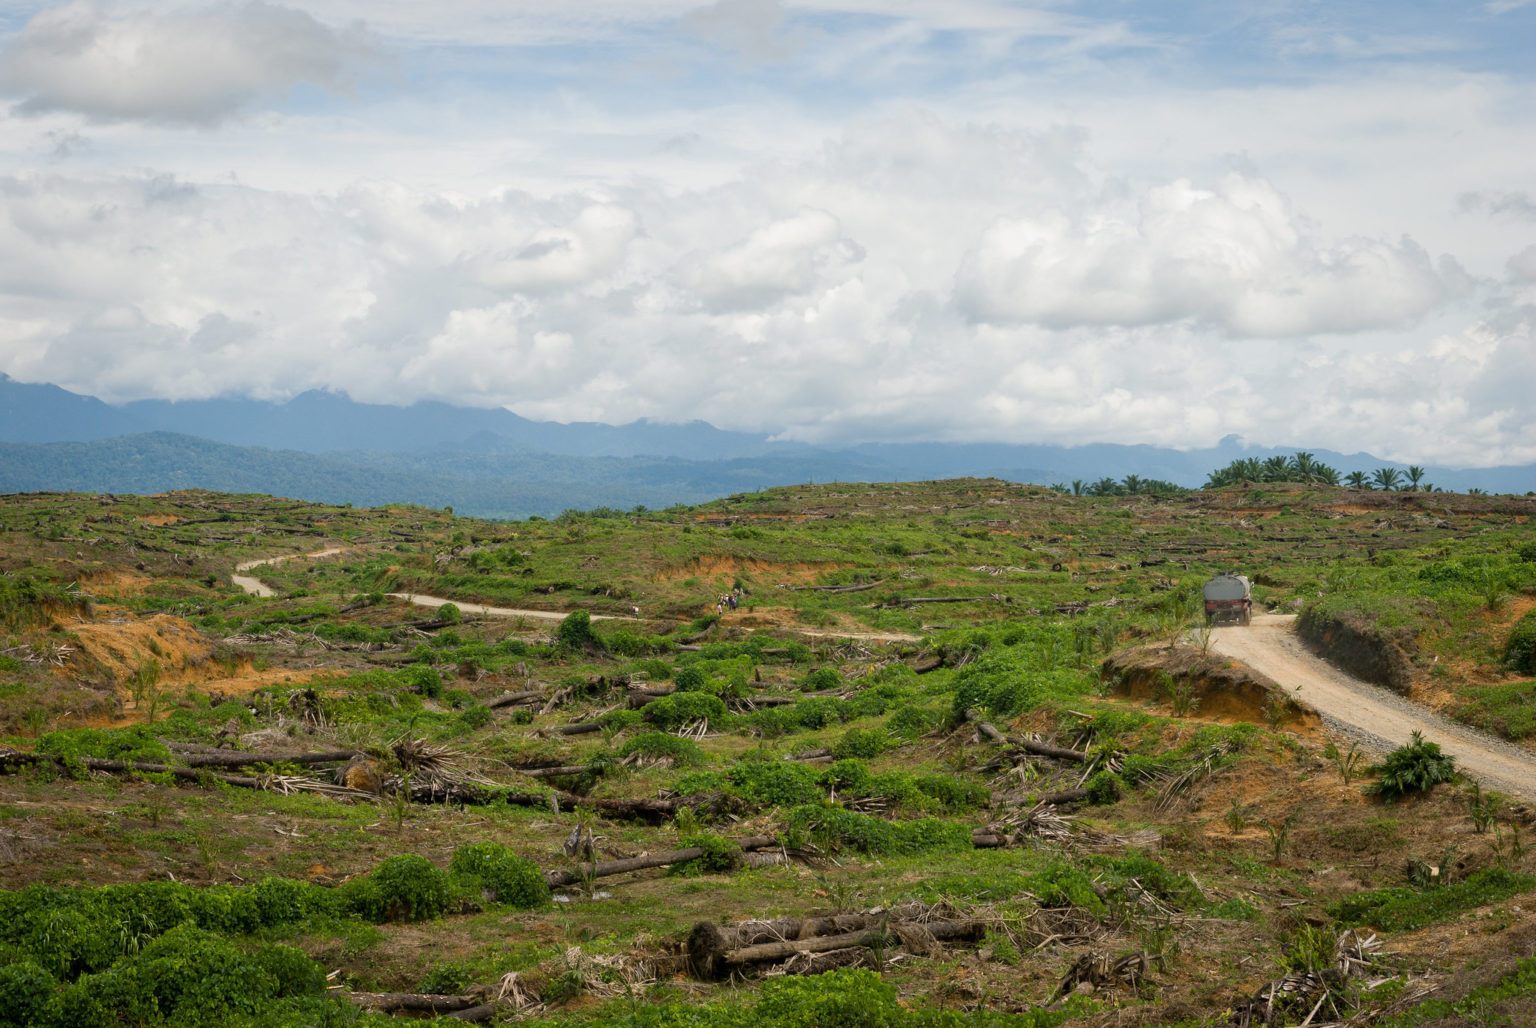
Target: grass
[[1006, 653]]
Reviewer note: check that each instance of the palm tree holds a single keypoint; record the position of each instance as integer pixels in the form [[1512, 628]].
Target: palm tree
[[1386, 478], [1275, 468], [1303, 467], [1357, 480], [1078, 485], [1327, 475], [1104, 487], [1415, 476], [1133, 484]]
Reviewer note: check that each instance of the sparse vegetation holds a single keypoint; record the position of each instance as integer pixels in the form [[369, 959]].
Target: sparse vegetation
[[541, 731]]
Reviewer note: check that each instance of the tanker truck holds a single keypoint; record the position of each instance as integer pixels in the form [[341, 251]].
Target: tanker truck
[[1228, 597]]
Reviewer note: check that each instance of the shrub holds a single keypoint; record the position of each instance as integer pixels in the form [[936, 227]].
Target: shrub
[[26, 991], [861, 743], [952, 793], [690, 679], [423, 679], [510, 879], [403, 887], [660, 745], [719, 856], [1417, 767], [1403, 909], [449, 614], [833, 829], [821, 678], [776, 783], [1103, 788], [909, 722], [682, 708], [575, 632], [1520, 647], [819, 711]]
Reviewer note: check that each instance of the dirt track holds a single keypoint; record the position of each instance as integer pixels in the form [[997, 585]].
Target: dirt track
[[256, 587], [1370, 713]]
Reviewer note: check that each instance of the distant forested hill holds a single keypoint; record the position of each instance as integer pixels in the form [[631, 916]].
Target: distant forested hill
[[484, 485]]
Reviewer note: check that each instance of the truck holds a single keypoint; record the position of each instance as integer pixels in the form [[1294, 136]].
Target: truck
[[1228, 597]]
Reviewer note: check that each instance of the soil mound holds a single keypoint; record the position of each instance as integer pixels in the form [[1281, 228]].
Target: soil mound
[[1228, 690]]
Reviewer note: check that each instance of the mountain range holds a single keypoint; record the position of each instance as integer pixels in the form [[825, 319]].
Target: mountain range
[[492, 463]]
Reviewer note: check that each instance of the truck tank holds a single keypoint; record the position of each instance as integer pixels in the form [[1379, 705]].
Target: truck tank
[[1228, 597]]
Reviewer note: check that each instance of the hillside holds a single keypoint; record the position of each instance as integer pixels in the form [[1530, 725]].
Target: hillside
[[961, 752], [492, 463]]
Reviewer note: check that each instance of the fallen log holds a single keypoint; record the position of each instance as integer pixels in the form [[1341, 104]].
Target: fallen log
[[809, 755], [426, 1003], [604, 868], [1028, 745], [909, 601], [831, 588], [553, 772], [508, 699], [581, 728], [640, 697], [714, 951], [230, 758], [887, 937]]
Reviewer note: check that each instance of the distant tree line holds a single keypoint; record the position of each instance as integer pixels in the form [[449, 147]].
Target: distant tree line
[[1130, 485], [1304, 468]]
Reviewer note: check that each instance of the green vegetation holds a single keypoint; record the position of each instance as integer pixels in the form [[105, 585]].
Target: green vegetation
[[1416, 767], [832, 715]]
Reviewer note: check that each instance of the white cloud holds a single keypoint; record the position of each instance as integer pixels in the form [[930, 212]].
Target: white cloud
[[1234, 257], [193, 66], [781, 259], [565, 255]]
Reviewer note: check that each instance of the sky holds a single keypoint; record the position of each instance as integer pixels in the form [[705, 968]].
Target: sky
[[1301, 223]]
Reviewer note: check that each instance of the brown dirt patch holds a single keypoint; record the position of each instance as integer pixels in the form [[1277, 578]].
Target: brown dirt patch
[[120, 644], [1228, 690], [160, 520], [115, 582], [725, 568]]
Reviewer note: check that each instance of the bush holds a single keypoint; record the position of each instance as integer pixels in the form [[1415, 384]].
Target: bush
[[1103, 788], [1403, 910], [864, 744], [509, 879], [776, 783], [1417, 767], [910, 722], [821, 678], [952, 793], [690, 679], [450, 614], [403, 887], [681, 708], [720, 855], [575, 632], [660, 745], [833, 829], [819, 711], [1520, 647], [423, 679], [26, 991]]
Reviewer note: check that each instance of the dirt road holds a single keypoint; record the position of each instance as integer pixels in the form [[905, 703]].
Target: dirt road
[[256, 587], [1379, 719]]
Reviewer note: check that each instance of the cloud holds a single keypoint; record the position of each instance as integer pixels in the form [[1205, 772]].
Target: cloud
[[755, 29], [1513, 203], [553, 257], [1234, 257], [780, 259], [189, 66]]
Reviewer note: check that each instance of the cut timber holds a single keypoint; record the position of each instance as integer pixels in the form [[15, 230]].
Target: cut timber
[[577, 729], [831, 588], [231, 759], [508, 699], [714, 951], [426, 1003], [1028, 745], [604, 868]]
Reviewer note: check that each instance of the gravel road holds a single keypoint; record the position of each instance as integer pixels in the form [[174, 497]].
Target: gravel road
[[1378, 719]]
